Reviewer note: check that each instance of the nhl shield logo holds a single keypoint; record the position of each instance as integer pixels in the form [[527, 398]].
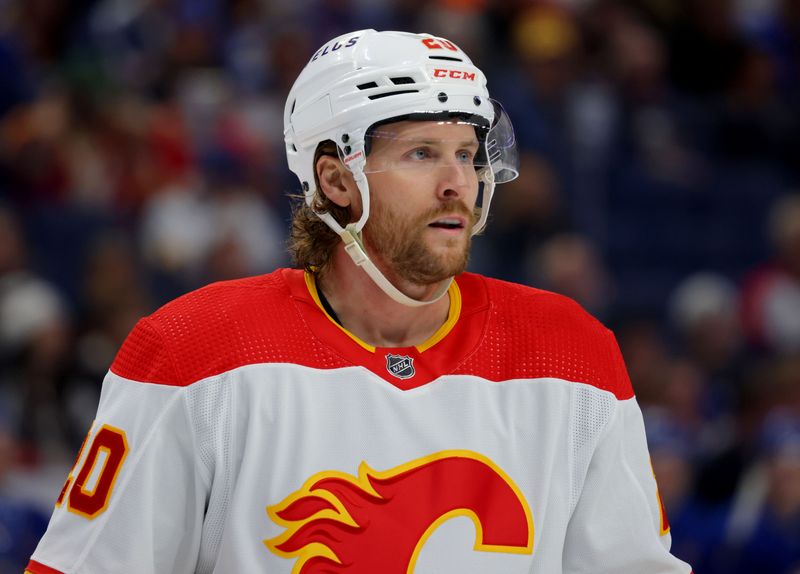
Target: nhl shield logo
[[401, 366]]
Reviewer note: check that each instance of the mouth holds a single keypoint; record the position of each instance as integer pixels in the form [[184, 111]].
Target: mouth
[[449, 223]]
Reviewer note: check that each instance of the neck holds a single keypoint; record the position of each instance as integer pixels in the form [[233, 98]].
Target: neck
[[374, 317]]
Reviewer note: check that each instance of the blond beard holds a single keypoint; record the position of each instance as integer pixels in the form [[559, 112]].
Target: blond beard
[[400, 244]]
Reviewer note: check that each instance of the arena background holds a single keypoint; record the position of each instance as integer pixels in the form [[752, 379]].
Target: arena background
[[141, 156]]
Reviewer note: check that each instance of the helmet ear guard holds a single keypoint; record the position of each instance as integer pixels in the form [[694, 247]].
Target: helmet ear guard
[[361, 81]]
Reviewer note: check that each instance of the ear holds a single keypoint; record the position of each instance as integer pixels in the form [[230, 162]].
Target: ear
[[336, 181]]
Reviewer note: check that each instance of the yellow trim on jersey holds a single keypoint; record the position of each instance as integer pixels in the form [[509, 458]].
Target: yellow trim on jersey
[[663, 521], [452, 316], [363, 483], [312, 289]]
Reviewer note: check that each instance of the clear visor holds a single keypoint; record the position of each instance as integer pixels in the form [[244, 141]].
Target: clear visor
[[411, 144]]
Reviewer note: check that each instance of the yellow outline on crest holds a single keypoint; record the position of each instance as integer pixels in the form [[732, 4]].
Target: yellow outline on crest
[[362, 481]]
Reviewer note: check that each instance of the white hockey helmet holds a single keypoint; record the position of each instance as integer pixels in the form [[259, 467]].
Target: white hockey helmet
[[365, 78]]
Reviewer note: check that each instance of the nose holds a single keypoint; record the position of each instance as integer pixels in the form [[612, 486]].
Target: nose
[[455, 180]]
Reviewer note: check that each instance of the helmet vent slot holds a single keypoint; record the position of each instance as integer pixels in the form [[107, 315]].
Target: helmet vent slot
[[396, 93], [367, 86], [448, 58], [402, 80]]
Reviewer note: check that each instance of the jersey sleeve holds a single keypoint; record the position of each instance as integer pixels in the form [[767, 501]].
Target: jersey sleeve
[[618, 524], [134, 502]]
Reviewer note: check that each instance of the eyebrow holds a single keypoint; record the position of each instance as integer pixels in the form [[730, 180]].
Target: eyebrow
[[463, 143]]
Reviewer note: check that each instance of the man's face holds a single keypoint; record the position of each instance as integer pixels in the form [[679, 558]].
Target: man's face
[[423, 188]]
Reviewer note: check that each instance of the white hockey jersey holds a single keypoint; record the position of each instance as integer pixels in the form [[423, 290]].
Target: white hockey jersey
[[241, 429]]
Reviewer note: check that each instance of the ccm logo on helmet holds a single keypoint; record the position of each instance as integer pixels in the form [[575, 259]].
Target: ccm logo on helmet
[[455, 74]]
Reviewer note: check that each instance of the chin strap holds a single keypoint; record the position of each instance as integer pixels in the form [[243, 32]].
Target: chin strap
[[487, 178], [354, 245], [355, 249]]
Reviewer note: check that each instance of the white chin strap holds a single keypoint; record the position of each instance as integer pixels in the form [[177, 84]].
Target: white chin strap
[[351, 236], [354, 243], [355, 249]]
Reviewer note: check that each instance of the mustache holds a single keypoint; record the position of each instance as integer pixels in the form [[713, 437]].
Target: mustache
[[453, 207]]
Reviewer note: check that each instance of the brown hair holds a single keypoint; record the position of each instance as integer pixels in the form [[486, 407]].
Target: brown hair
[[311, 241]]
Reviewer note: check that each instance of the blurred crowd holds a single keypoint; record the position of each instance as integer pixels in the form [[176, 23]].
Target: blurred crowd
[[141, 156]]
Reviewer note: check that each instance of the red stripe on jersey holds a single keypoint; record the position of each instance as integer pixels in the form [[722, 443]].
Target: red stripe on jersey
[[35, 567], [219, 328], [505, 331], [532, 333]]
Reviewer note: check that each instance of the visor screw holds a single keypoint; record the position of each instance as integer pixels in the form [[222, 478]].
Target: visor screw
[[345, 138], [305, 186], [347, 150], [476, 100], [442, 97]]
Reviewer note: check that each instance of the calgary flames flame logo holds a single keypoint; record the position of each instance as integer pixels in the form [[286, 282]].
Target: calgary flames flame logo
[[379, 521]]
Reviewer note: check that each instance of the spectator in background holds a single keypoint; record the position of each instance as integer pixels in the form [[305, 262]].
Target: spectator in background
[[704, 311], [32, 159], [684, 395], [704, 315], [21, 524], [569, 264], [528, 212], [696, 526], [212, 215], [771, 294], [754, 126], [774, 33], [763, 530], [114, 297], [545, 41], [647, 356], [34, 346]]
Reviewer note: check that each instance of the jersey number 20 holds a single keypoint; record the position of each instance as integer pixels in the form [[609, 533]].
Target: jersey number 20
[[88, 487]]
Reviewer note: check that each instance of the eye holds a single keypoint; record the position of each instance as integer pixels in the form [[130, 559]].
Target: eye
[[419, 154], [465, 156]]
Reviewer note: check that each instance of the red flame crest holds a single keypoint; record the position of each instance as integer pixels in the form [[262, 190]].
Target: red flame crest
[[379, 521]]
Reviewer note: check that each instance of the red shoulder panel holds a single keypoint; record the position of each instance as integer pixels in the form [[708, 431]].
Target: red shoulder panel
[[34, 567], [218, 328], [505, 332], [536, 334]]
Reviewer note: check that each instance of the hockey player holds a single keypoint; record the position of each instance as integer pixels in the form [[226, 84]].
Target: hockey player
[[377, 410]]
